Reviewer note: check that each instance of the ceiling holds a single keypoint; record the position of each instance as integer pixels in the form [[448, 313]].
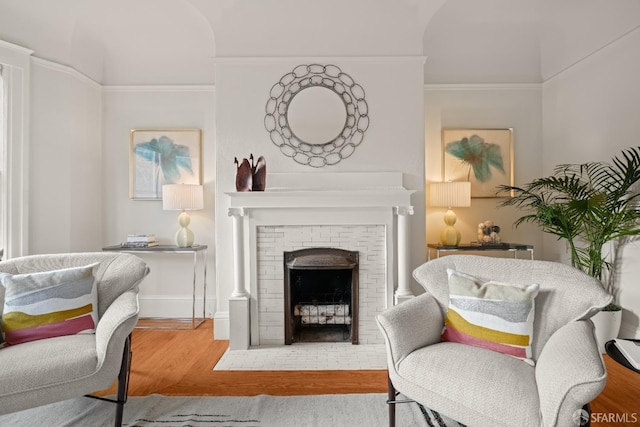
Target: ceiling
[[128, 42]]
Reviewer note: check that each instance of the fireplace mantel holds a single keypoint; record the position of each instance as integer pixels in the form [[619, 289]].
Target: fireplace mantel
[[339, 190], [309, 200], [320, 198]]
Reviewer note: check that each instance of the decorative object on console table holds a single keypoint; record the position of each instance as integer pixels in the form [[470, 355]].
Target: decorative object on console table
[[488, 233], [483, 157], [159, 157], [183, 197], [140, 241], [450, 195]]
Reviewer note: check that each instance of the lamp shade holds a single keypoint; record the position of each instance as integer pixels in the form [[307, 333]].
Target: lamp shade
[[182, 197], [450, 194]]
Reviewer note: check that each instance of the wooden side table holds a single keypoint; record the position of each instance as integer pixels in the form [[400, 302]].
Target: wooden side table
[[194, 322], [512, 248]]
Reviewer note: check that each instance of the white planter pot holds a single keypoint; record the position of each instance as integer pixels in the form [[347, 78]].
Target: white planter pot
[[607, 325]]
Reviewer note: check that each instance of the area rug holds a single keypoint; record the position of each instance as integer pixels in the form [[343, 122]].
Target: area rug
[[350, 410]]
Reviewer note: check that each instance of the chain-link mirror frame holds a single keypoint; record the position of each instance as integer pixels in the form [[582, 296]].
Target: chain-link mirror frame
[[313, 75]]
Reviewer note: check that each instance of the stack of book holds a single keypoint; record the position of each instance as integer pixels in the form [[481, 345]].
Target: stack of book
[[140, 241]]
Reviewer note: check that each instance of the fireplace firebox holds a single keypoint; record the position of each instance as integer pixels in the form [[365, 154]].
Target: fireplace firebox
[[321, 295]]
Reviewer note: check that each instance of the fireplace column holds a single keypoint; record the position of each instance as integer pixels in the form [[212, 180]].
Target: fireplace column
[[239, 320], [239, 289], [403, 292]]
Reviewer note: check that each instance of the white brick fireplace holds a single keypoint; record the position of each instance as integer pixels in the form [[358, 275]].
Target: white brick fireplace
[[364, 212]]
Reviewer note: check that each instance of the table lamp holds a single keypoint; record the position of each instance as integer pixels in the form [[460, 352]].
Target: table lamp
[[183, 197], [450, 195]]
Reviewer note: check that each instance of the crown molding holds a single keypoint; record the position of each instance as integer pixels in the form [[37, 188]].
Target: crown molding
[[16, 48], [418, 59], [157, 88], [435, 87], [45, 63]]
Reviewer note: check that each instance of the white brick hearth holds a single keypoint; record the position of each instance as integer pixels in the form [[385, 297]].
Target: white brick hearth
[[363, 212]]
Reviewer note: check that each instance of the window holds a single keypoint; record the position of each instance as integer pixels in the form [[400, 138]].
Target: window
[[3, 137], [14, 148]]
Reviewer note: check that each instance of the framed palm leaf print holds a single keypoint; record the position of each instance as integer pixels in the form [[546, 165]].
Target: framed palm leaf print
[[482, 156], [158, 157]]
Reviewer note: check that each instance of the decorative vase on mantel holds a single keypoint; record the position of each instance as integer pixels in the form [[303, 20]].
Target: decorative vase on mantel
[[251, 177]]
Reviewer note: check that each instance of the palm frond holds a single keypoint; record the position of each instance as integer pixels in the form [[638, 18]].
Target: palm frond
[[592, 202]]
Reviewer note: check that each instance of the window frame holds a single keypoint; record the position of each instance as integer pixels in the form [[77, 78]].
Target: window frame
[[14, 143]]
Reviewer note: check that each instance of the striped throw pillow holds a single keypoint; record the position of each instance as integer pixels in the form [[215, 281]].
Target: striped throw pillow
[[492, 315], [49, 304]]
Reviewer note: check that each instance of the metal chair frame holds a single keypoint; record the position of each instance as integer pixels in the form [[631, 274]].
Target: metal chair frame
[[123, 383]]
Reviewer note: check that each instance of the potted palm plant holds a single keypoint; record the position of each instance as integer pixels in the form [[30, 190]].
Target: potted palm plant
[[591, 206]]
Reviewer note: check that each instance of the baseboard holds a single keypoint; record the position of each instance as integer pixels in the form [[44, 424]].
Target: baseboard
[[174, 306], [221, 325]]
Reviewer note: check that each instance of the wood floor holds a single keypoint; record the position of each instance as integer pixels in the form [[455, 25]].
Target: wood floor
[[180, 362]]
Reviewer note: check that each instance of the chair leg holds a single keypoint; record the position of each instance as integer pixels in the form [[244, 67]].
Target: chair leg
[[587, 423], [391, 402], [123, 381]]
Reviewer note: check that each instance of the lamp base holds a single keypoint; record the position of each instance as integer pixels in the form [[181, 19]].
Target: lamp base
[[449, 236], [184, 236]]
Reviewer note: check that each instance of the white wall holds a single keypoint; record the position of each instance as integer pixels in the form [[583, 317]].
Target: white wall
[[591, 113], [485, 106], [394, 140], [167, 290], [65, 204], [79, 176]]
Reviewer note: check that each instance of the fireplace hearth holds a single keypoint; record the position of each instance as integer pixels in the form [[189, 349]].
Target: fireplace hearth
[[321, 295]]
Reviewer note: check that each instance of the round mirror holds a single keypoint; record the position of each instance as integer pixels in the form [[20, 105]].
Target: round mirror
[[316, 115]]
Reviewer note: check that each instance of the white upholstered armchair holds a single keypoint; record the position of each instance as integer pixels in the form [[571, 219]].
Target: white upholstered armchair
[[481, 387], [42, 371]]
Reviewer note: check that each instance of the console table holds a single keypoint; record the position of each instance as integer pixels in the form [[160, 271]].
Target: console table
[[172, 249], [503, 247]]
